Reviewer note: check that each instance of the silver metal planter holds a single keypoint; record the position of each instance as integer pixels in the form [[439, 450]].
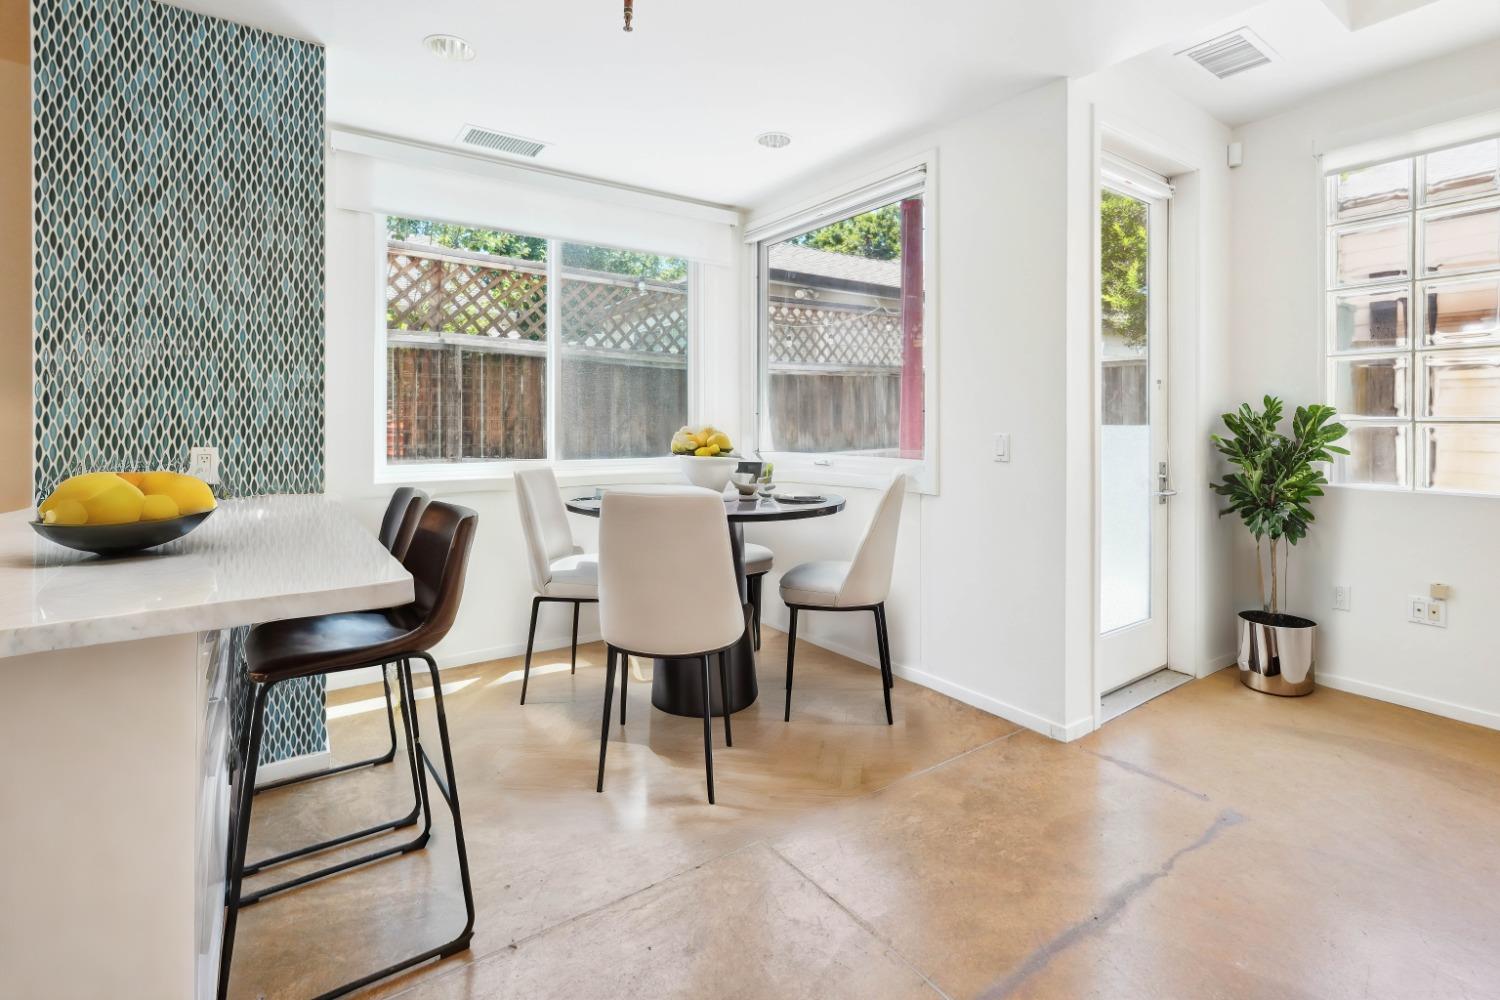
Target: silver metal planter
[[1276, 653]]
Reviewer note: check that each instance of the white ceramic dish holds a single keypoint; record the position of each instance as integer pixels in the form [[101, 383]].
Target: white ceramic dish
[[709, 472]]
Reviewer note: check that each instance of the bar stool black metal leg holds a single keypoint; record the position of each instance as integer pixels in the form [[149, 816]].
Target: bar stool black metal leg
[[708, 734], [724, 690], [450, 794], [624, 680], [609, 690], [384, 758], [536, 602], [791, 653], [884, 641], [574, 667], [241, 836]]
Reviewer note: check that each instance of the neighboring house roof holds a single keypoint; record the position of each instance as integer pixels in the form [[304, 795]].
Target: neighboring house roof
[[814, 263]]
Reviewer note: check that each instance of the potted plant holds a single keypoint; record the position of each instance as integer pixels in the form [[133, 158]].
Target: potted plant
[[706, 456], [1273, 481]]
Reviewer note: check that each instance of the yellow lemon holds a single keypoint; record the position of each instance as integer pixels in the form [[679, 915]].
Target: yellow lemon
[[722, 440], [66, 512], [157, 482], [704, 452], [158, 507], [119, 503], [133, 478], [191, 494], [79, 488]]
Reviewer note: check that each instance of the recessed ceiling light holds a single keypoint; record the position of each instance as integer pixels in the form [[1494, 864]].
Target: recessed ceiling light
[[774, 140], [450, 48]]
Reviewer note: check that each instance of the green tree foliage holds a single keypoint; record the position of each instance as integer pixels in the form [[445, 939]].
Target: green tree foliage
[[1274, 477], [647, 266], [1123, 266], [874, 235]]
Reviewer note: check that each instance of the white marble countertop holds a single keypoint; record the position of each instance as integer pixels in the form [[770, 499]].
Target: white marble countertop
[[253, 560]]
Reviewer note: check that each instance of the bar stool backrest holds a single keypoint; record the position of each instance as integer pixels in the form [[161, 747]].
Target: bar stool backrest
[[438, 559], [666, 573], [401, 516]]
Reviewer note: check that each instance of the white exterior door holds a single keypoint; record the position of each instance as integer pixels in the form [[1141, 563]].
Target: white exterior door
[[1133, 475]]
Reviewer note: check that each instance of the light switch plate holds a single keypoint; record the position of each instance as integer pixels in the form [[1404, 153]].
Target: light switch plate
[[1342, 596], [1002, 447]]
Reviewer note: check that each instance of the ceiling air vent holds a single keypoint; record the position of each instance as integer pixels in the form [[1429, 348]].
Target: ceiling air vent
[[1230, 54], [499, 142]]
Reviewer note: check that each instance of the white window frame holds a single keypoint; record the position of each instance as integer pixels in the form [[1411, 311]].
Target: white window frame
[[570, 472], [915, 174], [1374, 154]]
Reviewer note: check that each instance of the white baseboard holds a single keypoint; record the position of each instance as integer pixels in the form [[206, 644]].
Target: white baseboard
[[293, 767], [371, 675], [1407, 699], [957, 692]]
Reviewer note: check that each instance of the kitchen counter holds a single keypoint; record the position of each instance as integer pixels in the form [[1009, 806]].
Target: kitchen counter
[[117, 679], [253, 560]]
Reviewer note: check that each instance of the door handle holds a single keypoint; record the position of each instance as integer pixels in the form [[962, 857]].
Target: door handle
[[1161, 495], [1163, 492]]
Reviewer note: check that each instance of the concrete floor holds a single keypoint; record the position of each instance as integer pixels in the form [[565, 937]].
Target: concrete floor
[[1214, 843]]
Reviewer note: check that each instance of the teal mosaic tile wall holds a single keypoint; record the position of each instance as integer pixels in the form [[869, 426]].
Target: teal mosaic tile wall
[[179, 258]]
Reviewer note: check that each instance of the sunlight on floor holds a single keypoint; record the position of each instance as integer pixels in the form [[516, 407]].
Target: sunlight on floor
[[378, 704]]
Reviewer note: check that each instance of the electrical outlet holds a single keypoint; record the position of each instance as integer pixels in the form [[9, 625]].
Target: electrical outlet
[[1437, 613], [1342, 595], [1416, 609], [204, 463]]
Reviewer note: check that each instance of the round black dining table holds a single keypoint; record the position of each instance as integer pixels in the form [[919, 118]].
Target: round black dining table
[[675, 682]]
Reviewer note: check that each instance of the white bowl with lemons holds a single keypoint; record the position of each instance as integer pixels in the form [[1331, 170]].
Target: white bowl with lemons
[[704, 455]]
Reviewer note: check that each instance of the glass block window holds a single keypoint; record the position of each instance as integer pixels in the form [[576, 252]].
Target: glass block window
[[1412, 324]]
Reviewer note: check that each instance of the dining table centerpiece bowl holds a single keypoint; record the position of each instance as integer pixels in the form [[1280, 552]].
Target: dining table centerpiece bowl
[[118, 513], [706, 456]]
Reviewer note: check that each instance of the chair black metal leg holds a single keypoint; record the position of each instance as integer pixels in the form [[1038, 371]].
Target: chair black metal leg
[[791, 653], [536, 602], [624, 681], [884, 641], [574, 666], [724, 696], [708, 734], [755, 582], [241, 835], [609, 691]]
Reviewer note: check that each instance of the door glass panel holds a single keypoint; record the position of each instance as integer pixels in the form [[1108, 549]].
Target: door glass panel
[[1458, 240], [1126, 477], [1462, 172], [1462, 312], [1377, 319], [1377, 456], [1377, 190], [1379, 252], [1461, 385], [1371, 387], [1461, 457]]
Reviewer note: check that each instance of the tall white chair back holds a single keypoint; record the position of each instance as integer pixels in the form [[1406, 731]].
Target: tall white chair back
[[544, 521], [666, 575], [869, 578]]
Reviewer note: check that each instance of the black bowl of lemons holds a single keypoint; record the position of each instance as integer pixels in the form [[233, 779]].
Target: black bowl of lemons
[[117, 513]]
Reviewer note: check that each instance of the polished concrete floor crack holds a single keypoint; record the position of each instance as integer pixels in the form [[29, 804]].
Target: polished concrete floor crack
[[1146, 773], [1112, 908]]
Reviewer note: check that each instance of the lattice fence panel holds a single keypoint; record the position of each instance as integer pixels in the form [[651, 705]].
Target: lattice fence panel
[[442, 295], [802, 333], [613, 316]]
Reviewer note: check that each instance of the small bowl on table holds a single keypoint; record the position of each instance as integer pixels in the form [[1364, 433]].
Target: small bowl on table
[[746, 484], [119, 539]]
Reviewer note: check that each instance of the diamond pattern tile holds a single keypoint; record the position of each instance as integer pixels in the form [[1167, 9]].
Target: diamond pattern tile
[[179, 256]]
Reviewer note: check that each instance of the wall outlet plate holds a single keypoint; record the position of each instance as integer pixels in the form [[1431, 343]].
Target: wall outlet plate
[[1416, 609], [1437, 613], [204, 463], [1342, 596]]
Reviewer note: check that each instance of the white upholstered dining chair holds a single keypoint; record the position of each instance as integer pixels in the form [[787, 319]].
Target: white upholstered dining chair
[[667, 589], [859, 585], [561, 572]]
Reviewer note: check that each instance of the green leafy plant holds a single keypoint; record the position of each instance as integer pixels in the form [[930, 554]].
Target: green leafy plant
[[1276, 476]]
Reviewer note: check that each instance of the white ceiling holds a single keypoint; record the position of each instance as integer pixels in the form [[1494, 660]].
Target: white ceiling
[[676, 105], [1317, 50]]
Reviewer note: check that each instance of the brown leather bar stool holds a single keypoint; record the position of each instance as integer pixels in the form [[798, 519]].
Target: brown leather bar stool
[[396, 529], [437, 558]]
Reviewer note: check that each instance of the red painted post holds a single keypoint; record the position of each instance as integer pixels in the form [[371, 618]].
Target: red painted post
[[912, 379]]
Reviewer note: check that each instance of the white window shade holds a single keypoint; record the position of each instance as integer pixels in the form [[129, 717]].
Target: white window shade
[[391, 178], [868, 196]]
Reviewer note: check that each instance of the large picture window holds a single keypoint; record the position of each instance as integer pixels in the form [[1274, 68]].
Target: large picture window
[[1413, 320], [505, 346], [842, 307]]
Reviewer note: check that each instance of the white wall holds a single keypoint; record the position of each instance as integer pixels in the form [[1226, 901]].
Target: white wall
[[497, 598], [976, 610], [1385, 545]]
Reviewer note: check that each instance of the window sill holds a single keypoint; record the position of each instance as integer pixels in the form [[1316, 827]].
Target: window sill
[[869, 474]]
